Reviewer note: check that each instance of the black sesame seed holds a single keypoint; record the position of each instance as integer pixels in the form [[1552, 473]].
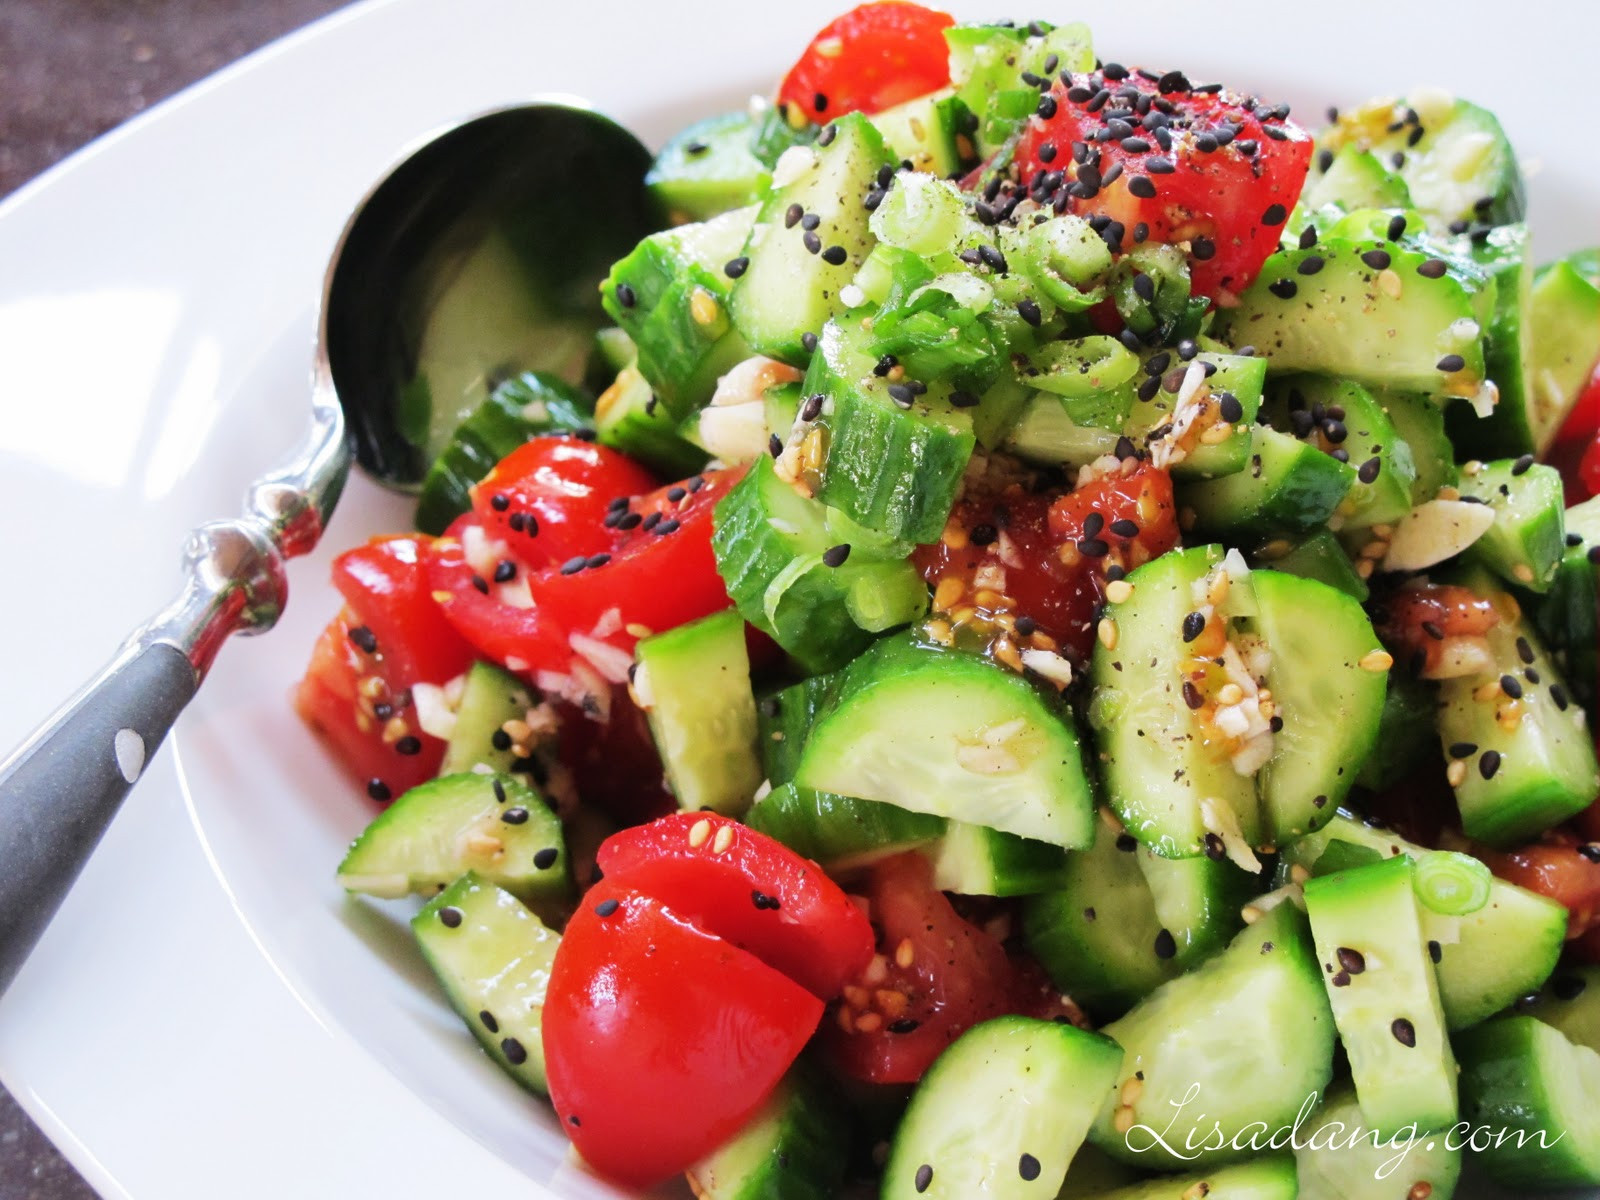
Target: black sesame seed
[[808, 341], [1030, 312], [1397, 227], [487, 1020], [819, 102], [1310, 264], [1284, 289], [408, 745], [1158, 165], [1511, 687], [1463, 749], [1141, 186], [1145, 288], [1489, 763], [505, 571], [835, 255], [499, 503], [450, 916], [1203, 248], [1324, 159], [1231, 409], [904, 1025], [363, 639], [924, 1178], [1166, 945], [1141, 232], [1435, 951], [1559, 695], [1404, 1031], [736, 267], [1028, 1167], [574, 564], [835, 556], [606, 907], [992, 258], [1124, 527], [378, 790], [1276, 214], [1568, 987], [1432, 269], [1520, 467], [1352, 961], [983, 535], [961, 399], [1093, 548], [670, 525], [1368, 473], [1376, 259], [792, 215], [516, 1053], [1590, 851], [515, 816], [546, 858], [1047, 106], [1127, 843], [626, 296], [1193, 626], [812, 242], [1135, 145], [1451, 362], [500, 739], [1216, 851]]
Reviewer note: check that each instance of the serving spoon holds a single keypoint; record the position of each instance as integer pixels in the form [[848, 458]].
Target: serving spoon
[[476, 254]]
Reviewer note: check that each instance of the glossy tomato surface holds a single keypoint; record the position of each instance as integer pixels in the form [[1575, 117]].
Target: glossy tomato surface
[[873, 57]]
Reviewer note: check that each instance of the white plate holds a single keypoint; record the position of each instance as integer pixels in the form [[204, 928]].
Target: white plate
[[207, 1017]]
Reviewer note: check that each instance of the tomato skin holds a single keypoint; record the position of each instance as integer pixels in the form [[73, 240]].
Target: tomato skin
[[388, 637], [873, 57], [1576, 449], [614, 763], [661, 1039], [1221, 194], [803, 924], [1414, 622], [958, 976], [548, 499], [1558, 866], [651, 579]]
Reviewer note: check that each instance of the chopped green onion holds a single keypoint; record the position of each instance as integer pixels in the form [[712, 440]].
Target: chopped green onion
[[1452, 884]]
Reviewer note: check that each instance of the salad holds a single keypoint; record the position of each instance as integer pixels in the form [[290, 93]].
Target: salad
[[1047, 653]]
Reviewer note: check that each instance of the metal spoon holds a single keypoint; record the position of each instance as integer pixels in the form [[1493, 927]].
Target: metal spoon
[[522, 208]]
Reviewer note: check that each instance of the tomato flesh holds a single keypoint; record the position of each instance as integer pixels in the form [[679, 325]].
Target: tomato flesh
[[1562, 866], [873, 57], [749, 889], [661, 1040], [1417, 623], [1213, 170]]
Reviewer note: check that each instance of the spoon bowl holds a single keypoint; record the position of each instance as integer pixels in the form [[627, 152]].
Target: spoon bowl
[[476, 256]]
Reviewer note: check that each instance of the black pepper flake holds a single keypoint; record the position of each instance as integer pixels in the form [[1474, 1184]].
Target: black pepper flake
[[606, 907], [983, 535], [1318, 801], [1489, 763], [835, 556], [546, 858], [1404, 1032], [450, 916], [1193, 626]]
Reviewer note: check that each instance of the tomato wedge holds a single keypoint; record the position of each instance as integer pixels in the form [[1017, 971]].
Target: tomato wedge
[[1563, 867], [873, 57], [656, 570], [389, 637], [749, 889], [661, 1039], [1166, 161]]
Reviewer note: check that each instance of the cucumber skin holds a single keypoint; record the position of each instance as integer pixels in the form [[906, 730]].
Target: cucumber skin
[[1271, 1177], [723, 176], [1286, 487], [794, 1149]]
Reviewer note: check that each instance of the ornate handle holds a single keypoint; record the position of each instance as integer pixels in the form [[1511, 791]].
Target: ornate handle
[[61, 787]]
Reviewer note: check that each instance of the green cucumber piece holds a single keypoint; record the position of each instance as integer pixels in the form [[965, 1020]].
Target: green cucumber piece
[[694, 682], [1047, 435], [1353, 179], [974, 860], [1520, 1076], [1237, 1045], [986, 66], [1568, 615], [1502, 256], [1385, 472], [794, 1148], [891, 468], [1330, 703], [1271, 1177], [926, 133], [1405, 739], [1522, 780], [769, 542], [496, 825], [1485, 960], [1286, 487], [1338, 320], [628, 417], [1122, 920], [787, 291], [1528, 538], [518, 409], [492, 957], [1001, 1112], [1385, 999], [1340, 1157], [1157, 770], [708, 169], [1420, 424], [841, 832], [776, 129], [1240, 376], [1564, 342], [1317, 556], [1570, 1003], [489, 698], [955, 735]]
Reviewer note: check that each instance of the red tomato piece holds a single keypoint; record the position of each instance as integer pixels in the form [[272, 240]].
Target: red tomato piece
[[1563, 867], [1054, 566], [873, 57], [614, 763], [744, 886], [657, 572], [1213, 169], [549, 498], [936, 976], [661, 1039], [388, 637], [1416, 623]]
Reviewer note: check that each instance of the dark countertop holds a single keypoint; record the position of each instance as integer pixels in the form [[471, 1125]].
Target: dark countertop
[[69, 71]]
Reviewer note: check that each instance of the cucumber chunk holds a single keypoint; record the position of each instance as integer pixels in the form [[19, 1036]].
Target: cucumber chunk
[[489, 698], [708, 168], [1521, 1077], [1528, 538], [1001, 1112], [1123, 921], [974, 860], [1385, 1000], [1340, 1157], [1568, 615], [1420, 424], [1239, 376], [1339, 320], [695, 681], [1239, 1043], [955, 735], [628, 417], [495, 825], [1570, 1002], [1405, 740], [1533, 761], [1564, 325], [1047, 435], [519, 409], [1331, 704], [492, 957], [926, 133], [841, 832], [1318, 411], [1268, 1178], [794, 1148], [1486, 959], [1355, 178], [788, 289], [1502, 257], [1316, 556], [1287, 487]]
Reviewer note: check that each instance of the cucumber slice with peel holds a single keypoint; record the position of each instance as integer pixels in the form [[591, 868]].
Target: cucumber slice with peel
[[795, 1147], [1338, 1156]]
